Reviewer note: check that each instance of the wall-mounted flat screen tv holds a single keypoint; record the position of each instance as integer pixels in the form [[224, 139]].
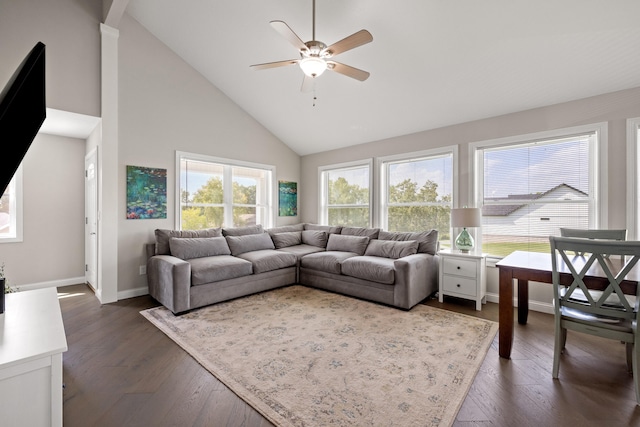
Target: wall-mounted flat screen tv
[[22, 112]]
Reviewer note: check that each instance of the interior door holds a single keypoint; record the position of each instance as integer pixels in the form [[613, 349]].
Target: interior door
[[91, 219]]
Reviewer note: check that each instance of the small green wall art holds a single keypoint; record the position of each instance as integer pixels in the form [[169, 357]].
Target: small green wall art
[[287, 198], [146, 192]]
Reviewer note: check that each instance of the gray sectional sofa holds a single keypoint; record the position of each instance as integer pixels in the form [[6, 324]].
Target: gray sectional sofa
[[187, 269]]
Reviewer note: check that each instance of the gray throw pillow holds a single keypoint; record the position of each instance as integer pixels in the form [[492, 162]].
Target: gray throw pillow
[[371, 233], [391, 249], [243, 231], [285, 229], [163, 236], [249, 242], [329, 229], [427, 240], [289, 238], [314, 238], [198, 247], [346, 243]]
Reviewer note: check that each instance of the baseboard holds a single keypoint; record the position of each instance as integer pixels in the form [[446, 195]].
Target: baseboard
[[542, 307], [132, 293], [50, 284], [129, 293]]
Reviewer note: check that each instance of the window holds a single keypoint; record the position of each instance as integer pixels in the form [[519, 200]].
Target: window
[[345, 196], [528, 187], [214, 192], [417, 192], [11, 210]]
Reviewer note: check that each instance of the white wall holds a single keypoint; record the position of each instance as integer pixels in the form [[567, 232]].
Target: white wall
[[52, 252], [613, 108], [53, 246], [165, 105], [69, 30]]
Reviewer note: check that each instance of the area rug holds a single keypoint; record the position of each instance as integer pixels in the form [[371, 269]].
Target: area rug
[[306, 357]]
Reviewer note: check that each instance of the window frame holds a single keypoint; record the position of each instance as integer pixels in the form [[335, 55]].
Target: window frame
[[270, 207], [598, 212], [16, 210], [382, 168], [323, 187], [633, 178]]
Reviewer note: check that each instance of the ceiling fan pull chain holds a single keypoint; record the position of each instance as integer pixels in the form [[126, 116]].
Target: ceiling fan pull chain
[[314, 93]]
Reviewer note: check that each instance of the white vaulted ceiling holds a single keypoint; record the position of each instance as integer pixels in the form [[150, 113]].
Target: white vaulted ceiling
[[433, 63]]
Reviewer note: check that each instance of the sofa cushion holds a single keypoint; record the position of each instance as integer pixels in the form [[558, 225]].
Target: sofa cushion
[[373, 268], [243, 231], [268, 260], [285, 229], [371, 233], [427, 240], [391, 249], [346, 243], [315, 238], [163, 236], [329, 262], [217, 268], [249, 242], [198, 247], [301, 250], [329, 229], [289, 238]]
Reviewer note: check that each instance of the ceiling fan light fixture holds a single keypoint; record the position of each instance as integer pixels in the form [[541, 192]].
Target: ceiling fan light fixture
[[313, 66]]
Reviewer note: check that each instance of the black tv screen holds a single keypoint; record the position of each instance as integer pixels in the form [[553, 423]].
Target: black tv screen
[[22, 112]]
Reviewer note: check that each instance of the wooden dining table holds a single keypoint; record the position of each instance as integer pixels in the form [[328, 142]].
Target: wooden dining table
[[524, 267]]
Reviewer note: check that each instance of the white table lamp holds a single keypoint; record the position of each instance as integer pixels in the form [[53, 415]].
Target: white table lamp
[[465, 218]]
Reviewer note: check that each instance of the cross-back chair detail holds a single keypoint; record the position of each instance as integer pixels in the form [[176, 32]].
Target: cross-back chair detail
[[608, 313], [598, 234]]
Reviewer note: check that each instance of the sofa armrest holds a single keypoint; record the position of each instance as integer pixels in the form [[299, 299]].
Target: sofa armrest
[[416, 278], [150, 249], [169, 280]]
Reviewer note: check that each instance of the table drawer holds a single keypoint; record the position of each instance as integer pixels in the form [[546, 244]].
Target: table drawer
[[459, 285], [460, 267]]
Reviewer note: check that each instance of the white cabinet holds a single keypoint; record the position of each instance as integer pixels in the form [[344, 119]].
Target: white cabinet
[[32, 341], [463, 275]]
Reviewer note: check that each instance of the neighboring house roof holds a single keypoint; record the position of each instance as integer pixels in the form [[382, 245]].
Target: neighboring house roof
[[508, 209]]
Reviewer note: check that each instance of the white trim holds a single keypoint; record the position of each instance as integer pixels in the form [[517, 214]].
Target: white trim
[[633, 186], [600, 159], [322, 187], [272, 187], [17, 211], [381, 162], [50, 284]]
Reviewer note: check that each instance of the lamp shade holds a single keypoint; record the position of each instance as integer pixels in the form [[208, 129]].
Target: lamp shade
[[313, 66], [466, 217]]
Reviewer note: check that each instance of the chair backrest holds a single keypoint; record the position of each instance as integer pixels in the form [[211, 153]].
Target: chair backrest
[[611, 301], [615, 234]]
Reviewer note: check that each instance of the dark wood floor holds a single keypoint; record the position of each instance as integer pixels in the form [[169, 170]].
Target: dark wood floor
[[122, 371]]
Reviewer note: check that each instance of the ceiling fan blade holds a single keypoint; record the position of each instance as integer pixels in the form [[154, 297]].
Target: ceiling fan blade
[[307, 84], [288, 34], [348, 71], [350, 42], [274, 64]]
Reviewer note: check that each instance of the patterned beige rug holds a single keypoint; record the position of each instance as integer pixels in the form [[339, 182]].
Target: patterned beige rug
[[305, 357]]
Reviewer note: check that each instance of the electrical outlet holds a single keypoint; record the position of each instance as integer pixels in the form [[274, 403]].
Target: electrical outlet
[[143, 270]]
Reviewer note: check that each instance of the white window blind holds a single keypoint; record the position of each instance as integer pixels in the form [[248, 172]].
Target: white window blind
[[531, 189]]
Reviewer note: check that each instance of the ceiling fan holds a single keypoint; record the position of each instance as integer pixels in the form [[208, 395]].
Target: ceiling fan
[[315, 56]]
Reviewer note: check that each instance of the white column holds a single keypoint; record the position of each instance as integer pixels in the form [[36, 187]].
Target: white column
[[108, 170]]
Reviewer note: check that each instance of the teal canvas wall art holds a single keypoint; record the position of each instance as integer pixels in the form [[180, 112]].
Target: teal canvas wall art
[[287, 198], [146, 193]]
